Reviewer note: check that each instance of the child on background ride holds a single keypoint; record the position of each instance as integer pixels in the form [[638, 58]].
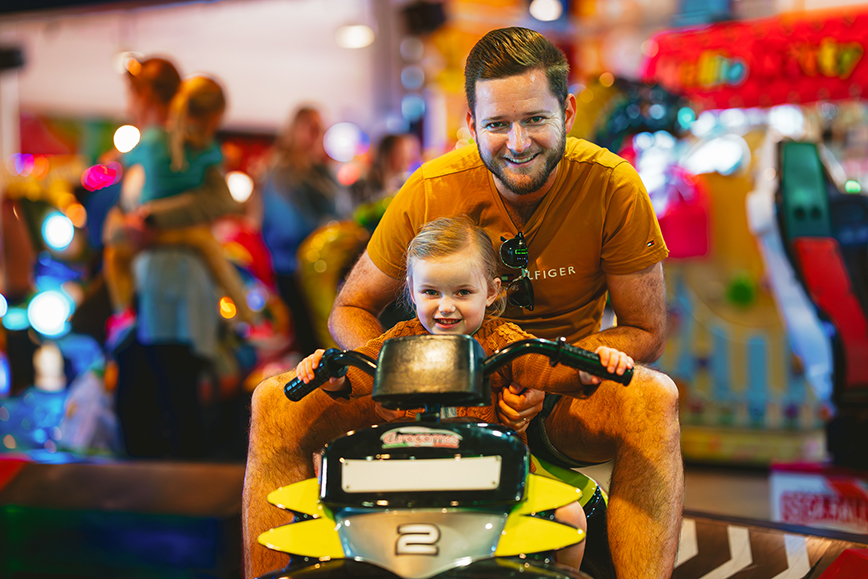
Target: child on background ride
[[165, 164], [454, 286]]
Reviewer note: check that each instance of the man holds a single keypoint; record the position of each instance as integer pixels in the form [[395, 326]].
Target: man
[[590, 229]]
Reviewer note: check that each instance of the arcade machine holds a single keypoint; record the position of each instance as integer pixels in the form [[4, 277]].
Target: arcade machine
[[806, 222], [825, 234]]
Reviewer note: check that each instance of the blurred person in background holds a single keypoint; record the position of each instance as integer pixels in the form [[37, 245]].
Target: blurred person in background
[[299, 193], [164, 164], [397, 156], [160, 372]]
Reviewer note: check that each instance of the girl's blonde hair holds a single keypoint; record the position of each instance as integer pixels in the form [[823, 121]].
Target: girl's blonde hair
[[199, 102], [446, 236]]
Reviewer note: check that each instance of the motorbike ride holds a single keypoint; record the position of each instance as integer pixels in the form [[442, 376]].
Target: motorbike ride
[[438, 497]]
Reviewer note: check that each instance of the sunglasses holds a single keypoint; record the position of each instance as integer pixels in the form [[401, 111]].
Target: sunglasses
[[513, 254]]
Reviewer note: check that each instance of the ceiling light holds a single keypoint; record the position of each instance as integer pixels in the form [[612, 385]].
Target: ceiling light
[[354, 36], [546, 10]]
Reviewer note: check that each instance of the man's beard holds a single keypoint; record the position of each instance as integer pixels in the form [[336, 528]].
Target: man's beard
[[525, 187]]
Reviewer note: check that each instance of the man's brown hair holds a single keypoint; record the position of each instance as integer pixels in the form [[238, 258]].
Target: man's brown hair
[[512, 51]]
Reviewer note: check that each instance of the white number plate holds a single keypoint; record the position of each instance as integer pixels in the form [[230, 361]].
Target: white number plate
[[440, 474]]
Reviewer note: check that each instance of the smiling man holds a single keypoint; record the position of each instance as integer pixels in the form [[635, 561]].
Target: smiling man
[[520, 132], [575, 225]]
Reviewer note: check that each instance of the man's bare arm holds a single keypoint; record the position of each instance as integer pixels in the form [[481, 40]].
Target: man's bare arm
[[639, 302], [367, 291]]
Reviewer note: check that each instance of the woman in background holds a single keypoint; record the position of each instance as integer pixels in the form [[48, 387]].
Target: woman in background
[[299, 193], [160, 372], [397, 156]]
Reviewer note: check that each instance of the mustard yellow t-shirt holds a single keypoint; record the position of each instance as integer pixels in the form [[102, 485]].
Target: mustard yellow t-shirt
[[596, 219]]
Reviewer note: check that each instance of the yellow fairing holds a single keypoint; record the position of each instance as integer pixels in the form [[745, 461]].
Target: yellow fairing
[[313, 538], [302, 497], [587, 485], [526, 534]]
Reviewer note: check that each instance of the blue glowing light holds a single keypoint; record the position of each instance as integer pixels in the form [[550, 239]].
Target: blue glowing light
[[686, 117], [50, 273], [48, 312], [412, 107], [58, 231], [15, 319], [5, 378], [657, 111], [256, 299]]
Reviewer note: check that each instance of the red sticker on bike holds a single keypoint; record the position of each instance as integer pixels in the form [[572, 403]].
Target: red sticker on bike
[[418, 437]]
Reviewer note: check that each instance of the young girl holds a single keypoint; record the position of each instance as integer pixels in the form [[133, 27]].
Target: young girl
[[453, 283], [165, 164]]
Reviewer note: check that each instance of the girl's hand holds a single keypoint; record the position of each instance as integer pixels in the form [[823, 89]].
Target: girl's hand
[[615, 361], [305, 372]]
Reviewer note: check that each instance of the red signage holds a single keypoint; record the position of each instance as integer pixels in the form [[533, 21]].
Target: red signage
[[764, 62], [825, 510]]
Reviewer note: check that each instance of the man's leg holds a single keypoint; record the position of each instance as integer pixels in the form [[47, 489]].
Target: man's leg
[[283, 437], [638, 426]]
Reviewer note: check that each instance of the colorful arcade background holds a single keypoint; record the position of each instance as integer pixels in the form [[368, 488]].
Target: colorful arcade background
[[751, 137]]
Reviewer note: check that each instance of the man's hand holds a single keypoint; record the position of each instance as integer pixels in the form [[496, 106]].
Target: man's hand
[[516, 406], [389, 415]]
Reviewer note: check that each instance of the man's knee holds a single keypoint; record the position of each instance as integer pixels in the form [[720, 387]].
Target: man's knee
[[651, 397], [662, 390], [267, 399], [274, 420], [303, 427], [264, 394]]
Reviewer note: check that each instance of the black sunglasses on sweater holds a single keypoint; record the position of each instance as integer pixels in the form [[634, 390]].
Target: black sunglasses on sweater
[[514, 254]]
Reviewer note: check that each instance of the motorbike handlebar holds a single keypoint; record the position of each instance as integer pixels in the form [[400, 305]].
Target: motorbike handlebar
[[335, 363], [559, 352]]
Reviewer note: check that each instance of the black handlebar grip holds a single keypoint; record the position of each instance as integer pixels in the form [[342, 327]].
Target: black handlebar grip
[[296, 389], [589, 362]]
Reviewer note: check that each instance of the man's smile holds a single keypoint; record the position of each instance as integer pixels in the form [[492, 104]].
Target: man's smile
[[520, 160]]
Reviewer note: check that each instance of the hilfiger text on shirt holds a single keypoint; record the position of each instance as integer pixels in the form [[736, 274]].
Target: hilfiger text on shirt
[[551, 272]]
